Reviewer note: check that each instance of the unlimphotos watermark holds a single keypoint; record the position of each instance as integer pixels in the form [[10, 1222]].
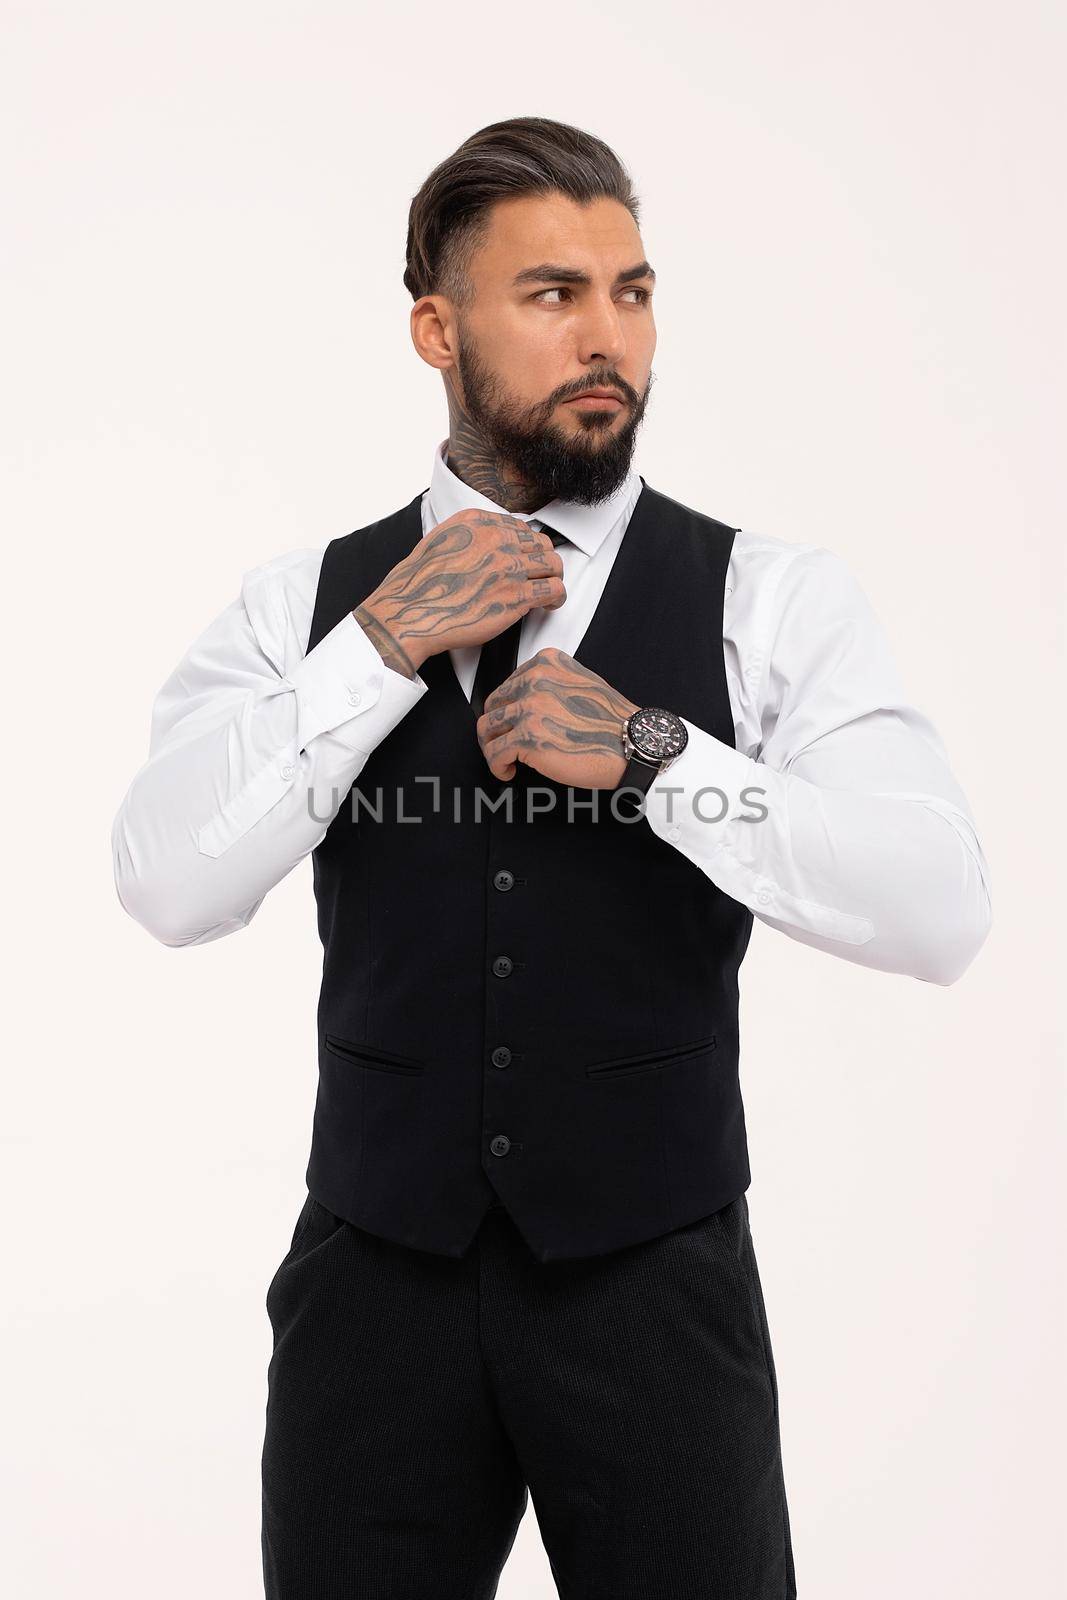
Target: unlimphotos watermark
[[708, 804]]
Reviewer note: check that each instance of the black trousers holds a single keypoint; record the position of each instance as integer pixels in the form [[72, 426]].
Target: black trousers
[[414, 1399]]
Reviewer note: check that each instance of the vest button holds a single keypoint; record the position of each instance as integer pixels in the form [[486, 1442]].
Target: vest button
[[501, 1056], [502, 966], [500, 1144], [503, 879]]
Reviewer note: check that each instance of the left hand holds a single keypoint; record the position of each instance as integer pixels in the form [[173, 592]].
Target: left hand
[[559, 718]]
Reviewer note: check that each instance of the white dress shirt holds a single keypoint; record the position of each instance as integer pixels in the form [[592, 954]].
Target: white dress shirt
[[868, 849]]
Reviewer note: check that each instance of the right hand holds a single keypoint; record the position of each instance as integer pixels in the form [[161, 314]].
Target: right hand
[[465, 581]]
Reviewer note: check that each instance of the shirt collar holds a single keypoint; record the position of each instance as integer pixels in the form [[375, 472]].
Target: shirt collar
[[585, 526]]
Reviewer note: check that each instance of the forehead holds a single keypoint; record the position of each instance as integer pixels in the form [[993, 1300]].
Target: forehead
[[599, 237]]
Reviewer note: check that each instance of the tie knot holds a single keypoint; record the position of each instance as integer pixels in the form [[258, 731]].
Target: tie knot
[[553, 533]]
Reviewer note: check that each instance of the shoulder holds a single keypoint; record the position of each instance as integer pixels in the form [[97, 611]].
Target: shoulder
[[759, 556], [774, 573], [278, 597], [785, 602], [280, 574]]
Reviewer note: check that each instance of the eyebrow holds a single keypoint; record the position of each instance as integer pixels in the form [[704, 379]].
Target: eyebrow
[[546, 272]]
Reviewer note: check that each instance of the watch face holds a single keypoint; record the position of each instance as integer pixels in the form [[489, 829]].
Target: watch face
[[656, 733]]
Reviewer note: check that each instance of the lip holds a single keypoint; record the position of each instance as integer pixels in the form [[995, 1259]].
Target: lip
[[595, 397]]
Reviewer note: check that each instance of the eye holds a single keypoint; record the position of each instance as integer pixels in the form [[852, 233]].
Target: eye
[[645, 294]]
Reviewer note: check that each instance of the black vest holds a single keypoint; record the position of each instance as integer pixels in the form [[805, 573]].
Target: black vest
[[538, 1008]]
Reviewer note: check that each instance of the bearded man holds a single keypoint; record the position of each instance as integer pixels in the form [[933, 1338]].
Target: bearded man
[[553, 740]]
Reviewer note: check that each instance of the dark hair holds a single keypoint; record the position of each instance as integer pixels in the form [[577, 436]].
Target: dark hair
[[449, 217]]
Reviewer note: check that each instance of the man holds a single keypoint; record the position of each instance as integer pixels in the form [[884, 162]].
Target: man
[[545, 794]]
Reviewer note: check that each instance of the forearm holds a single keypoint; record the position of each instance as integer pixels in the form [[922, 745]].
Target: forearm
[[243, 782], [894, 881]]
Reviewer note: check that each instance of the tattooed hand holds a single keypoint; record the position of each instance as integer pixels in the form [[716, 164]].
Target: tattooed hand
[[465, 581], [559, 718]]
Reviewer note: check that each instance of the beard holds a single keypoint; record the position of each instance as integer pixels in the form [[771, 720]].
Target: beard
[[586, 467]]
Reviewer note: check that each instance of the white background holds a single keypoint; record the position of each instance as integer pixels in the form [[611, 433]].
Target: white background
[[857, 224]]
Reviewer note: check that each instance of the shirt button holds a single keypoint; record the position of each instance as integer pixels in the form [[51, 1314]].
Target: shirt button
[[287, 771], [764, 897], [501, 1056], [503, 879], [502, 966], [500, 1144], [354, 698], [673, 835]]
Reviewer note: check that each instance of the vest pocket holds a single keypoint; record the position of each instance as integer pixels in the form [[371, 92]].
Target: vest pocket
[[624, 1066], [372, 1056]]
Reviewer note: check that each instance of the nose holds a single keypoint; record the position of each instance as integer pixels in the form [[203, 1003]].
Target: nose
[[600, 335]]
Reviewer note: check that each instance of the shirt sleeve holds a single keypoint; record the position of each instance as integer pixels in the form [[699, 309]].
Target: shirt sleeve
[[844, 827], [254, 745]]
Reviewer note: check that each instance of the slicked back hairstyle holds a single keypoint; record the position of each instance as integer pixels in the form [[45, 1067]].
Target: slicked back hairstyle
[[449, 217]]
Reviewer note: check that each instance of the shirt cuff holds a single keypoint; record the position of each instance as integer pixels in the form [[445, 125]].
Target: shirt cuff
[[344, 687], [693, 804]]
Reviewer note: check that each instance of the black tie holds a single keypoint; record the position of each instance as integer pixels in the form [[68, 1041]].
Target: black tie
[[501, 653]]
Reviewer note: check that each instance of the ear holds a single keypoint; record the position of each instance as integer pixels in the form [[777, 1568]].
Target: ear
[[433, 331]]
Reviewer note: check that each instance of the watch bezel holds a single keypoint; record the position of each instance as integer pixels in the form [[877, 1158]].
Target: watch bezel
[[662, 757]]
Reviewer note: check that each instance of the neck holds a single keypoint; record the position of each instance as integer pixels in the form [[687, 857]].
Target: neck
[[473, 459]]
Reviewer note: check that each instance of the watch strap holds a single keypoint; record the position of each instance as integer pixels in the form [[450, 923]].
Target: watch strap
[[640, 774]]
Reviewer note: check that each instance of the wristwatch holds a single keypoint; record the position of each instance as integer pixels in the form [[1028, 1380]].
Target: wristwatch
[[651, 739]]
